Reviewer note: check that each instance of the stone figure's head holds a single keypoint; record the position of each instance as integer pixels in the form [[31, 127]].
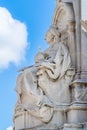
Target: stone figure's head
[[52, 35]]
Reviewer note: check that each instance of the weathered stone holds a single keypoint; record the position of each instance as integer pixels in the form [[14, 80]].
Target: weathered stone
[[52, 94]]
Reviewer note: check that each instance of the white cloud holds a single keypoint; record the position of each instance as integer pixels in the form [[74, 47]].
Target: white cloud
[[13, 39], [10, 128]]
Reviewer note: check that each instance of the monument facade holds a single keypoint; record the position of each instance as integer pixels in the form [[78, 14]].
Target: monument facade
[[52, 94]]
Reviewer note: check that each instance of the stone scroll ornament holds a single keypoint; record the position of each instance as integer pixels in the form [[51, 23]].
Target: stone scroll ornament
[[40, 87]]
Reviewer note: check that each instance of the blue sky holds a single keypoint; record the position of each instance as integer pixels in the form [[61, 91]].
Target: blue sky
[[36, 16], [22, 32]]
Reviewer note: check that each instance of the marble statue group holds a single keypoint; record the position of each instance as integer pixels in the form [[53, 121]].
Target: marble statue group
[[50, 91], [40, 86]]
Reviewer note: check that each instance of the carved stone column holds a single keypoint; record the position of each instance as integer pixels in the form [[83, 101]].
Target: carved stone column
[[84, 55], [77, 9], [71, 42], [77, 112]]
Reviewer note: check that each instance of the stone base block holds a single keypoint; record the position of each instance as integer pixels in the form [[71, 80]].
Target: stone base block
[[73, 127], [85, 126], [77, 113], [25, 121]]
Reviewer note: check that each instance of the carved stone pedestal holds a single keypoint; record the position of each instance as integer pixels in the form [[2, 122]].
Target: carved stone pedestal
[[77, 113], [85, 126], [24, 120]]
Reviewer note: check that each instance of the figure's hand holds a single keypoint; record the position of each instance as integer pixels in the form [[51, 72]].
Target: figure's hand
[[40, 72], [48, 65], [39, 103], [40, 67], [44, 64]]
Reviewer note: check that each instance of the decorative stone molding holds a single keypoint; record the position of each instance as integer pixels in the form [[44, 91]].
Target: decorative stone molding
[[73, 127], [77, 113], [79, 91]]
